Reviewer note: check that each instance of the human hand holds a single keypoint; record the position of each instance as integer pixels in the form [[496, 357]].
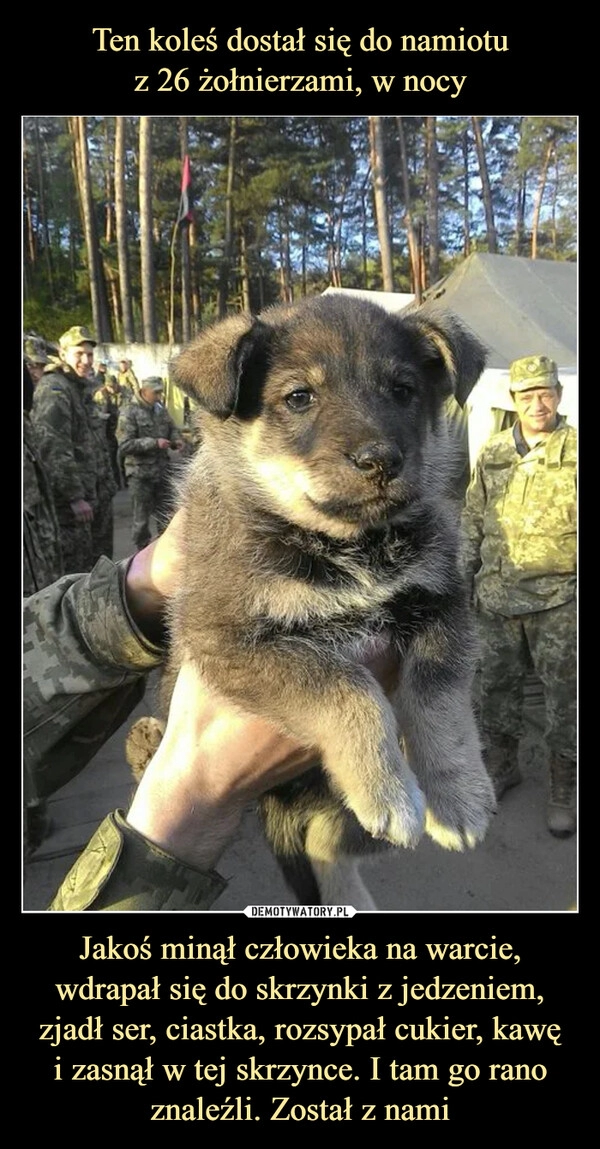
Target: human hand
[[163, 443], [152, 578], [82, 510], [213, 760]]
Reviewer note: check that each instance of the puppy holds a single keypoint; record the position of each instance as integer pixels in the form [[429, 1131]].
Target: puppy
[[319, 534]]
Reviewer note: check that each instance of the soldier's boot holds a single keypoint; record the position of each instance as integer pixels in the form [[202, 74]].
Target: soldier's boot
[[562, 804], [501, 762]]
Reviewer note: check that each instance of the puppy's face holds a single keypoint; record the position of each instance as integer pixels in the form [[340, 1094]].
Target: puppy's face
[[331, 411]]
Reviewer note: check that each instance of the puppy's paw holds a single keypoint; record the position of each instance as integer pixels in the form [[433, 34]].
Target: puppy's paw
[[459, 807], [141, 744], [394, 810]]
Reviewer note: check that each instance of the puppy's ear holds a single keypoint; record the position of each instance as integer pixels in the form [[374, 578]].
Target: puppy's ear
[[455, 354], [216, 368]]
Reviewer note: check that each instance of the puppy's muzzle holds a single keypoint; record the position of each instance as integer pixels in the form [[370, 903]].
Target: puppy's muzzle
[[381, 462]]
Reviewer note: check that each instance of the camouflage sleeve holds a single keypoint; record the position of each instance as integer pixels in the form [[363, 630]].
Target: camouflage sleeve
[[121, 870], [84, 668], [52, 418], [128, 435], [174, 432], [472, 524]]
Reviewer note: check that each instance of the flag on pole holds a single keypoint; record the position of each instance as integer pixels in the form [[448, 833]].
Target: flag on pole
[[185, 215]]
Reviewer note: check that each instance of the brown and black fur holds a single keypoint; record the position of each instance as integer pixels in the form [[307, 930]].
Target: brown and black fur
[[318, 531]]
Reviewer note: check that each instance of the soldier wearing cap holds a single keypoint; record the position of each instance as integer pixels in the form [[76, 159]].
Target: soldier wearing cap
[[520, 529], [146, 433], [110, 398], [127, 377], [35, 358], [62, 416]]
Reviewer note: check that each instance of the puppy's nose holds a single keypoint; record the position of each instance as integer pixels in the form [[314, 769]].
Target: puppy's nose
[[382, 461]]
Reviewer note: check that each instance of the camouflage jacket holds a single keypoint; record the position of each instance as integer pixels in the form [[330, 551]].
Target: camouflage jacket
[[85, 663], [129, 379], [62, 421], [111, 402], [42, 557], [140, 425], [520, 524], [106, 485]]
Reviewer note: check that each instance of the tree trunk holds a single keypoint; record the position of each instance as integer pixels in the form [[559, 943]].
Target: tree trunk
[[82, 171], [225, 270], [466, 190], [186, 306], [146, 222], [121, 230], [195, 276], [378, 177], [244, 272], [30, 239], [520, 214], [411, 233], [42, 214], [486, 191], [539, 195], [432, 199]]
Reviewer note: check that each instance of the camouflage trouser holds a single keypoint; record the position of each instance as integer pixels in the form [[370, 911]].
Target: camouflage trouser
[[102, 530], [150, 496], [510, 649], [76, 544], [113, 449]]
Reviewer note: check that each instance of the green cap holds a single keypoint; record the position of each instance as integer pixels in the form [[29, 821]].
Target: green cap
[[35, 353], [153, 383], [531, 372], [75, 336]]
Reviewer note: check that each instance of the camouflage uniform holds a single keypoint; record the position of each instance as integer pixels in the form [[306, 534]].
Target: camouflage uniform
[[85, 663], [147, 466], [42, 556], [110, 400], [61, 417], [129, 380], [520, 556], [106, 486]]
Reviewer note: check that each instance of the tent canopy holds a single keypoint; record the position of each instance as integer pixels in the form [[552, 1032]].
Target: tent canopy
[[516, 306]]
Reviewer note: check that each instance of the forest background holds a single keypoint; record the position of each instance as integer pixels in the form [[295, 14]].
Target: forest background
[[148, 227]]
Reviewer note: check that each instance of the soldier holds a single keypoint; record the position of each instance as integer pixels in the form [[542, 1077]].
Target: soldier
[[521, 553], [145, 433], [42, 565], [111, 397], [36, 359], [100, 375], [62, 419], [42, 557], [127, 377], [106, 486]]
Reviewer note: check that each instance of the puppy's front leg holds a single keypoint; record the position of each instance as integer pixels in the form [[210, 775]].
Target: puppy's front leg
[[442, 744], [340, 709]]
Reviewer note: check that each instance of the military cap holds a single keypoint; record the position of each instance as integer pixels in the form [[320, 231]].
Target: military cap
[[531, 372], [153, 383], [35, 353], [75, 336]]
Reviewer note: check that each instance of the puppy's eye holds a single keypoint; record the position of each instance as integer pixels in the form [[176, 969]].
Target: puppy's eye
[[300, 399], [403, 392]]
